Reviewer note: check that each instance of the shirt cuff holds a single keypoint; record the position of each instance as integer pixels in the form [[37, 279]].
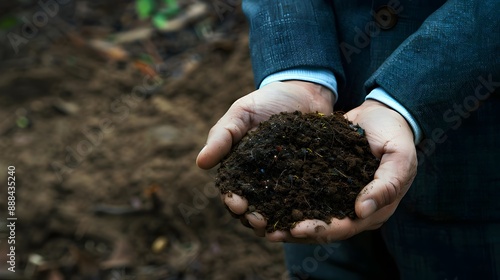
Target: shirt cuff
[[323, 77], [382, 96]]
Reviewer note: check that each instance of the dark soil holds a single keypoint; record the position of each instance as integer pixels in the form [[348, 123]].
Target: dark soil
[[300, 166]]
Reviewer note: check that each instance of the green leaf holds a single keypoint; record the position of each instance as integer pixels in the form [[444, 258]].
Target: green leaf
[[7, 22], [172, 8], [171, 3], [23, 122], [160, 21], [146, 58], [144, 8]]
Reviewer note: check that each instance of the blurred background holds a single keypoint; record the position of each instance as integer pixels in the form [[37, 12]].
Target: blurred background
[[104, 106]]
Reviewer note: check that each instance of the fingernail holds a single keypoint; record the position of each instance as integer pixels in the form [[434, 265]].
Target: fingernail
[[257, 216], [254, 215], [368, 207]]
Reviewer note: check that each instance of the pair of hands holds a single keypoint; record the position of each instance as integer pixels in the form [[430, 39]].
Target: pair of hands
[[389, 135]]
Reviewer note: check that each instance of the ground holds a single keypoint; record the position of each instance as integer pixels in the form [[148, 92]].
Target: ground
[[104, 147]]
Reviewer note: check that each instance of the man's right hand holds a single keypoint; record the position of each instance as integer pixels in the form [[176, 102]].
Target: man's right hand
[[246, 113]]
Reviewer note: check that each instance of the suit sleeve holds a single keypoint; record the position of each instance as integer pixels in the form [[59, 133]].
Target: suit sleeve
[[449, 65], [290, 34]]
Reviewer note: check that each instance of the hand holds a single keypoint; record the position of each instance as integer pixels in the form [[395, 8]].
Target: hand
[[391, 139], [246, 114]]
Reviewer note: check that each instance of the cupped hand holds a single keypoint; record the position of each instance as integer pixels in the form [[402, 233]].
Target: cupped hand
[[391, 139]]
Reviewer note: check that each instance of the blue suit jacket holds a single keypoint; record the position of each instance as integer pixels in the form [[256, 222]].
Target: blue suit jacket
[[441, 61]]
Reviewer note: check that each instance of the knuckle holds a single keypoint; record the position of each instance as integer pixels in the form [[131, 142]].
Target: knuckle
[[390, 191]]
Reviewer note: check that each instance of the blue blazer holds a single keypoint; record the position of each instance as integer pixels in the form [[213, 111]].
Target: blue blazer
[[441, 60]]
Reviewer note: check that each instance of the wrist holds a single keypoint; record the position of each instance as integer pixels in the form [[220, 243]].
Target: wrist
[[404, 125], [319, 95], [314, 75], [380, 95]]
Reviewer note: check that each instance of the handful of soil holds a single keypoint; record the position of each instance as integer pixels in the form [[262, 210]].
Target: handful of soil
[[299, 166]]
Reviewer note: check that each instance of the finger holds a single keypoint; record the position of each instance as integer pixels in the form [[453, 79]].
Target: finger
[[320, 232], [219, 143], [237, 204], [391, 180], [286, 236], [259, 231], [282, 236], [308, 228], [227, 131], [222, 198], [256, 220]]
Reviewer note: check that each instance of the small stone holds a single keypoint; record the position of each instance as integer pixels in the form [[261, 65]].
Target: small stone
[[165, 134], [159, 244], [65, 107]]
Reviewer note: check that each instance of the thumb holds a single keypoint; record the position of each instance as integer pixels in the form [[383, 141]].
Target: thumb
[[391, 181], [219, 142], [227, 131]]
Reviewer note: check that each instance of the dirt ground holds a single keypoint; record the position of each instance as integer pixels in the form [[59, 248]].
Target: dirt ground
[[104, 146]]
